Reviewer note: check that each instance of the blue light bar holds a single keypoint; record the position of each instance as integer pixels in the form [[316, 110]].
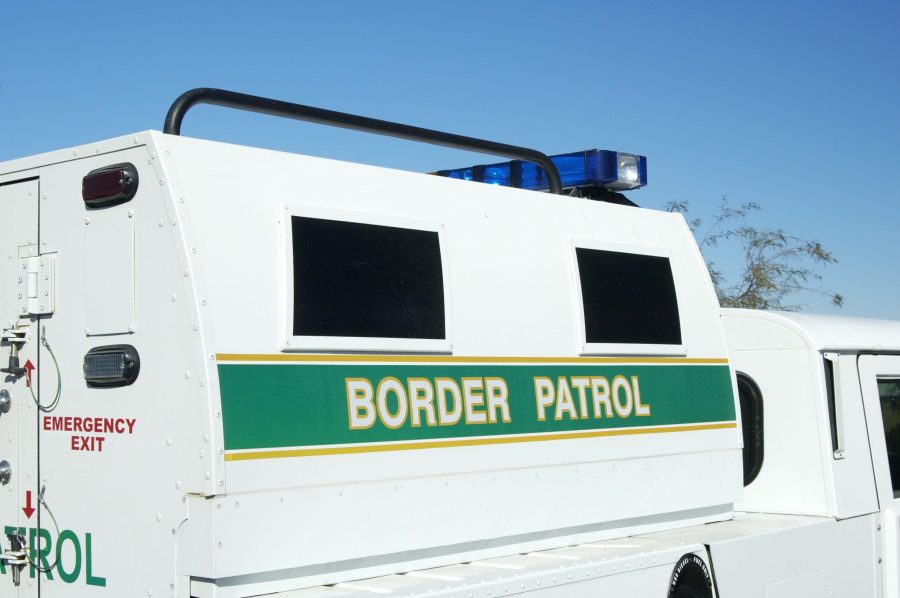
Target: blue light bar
[[590, 168]]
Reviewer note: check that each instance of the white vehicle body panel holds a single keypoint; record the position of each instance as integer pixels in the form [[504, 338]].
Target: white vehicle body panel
[[195, 272]]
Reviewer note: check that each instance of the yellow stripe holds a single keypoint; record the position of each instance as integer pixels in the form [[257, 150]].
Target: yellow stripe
[[457, 359], [457, 442]]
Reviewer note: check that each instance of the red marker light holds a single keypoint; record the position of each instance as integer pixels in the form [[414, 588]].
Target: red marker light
[[109, 186]]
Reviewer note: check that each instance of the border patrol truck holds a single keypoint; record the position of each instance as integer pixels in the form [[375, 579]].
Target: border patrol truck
[[237, 372]]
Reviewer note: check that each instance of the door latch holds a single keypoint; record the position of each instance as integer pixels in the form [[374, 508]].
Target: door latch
[[15, 556], [16, 337]]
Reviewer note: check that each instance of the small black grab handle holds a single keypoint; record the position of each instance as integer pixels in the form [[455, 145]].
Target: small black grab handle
[[242, 101]]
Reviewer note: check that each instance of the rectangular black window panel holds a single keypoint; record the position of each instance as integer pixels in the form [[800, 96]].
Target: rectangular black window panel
[[628, 298], [365, 280]]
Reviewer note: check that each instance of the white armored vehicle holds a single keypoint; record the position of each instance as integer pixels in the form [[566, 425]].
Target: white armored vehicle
[[237, 372]]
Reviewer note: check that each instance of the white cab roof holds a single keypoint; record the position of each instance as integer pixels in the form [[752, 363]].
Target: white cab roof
[[829, 332]]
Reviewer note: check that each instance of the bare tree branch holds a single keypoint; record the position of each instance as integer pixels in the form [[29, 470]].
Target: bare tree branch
[[776, 265]]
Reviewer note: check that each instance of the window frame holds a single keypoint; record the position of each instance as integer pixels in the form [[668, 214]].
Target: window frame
[[355, 344], [591, 349]]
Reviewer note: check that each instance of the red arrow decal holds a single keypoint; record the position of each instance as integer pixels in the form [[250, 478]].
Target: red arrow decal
[[28, 509], [29, 367]]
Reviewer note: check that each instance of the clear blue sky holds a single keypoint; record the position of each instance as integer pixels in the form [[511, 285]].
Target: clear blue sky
[[794, 105]]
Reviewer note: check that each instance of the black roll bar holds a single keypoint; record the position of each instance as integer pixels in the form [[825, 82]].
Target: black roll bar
[[242, 101]]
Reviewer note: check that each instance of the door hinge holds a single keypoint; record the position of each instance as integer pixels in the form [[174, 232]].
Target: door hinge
[[36, 285]]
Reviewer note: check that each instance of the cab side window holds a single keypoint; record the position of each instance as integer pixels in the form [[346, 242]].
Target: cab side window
[[889, 395]]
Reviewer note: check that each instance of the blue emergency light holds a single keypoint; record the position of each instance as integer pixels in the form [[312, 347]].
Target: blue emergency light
[[590, 168]]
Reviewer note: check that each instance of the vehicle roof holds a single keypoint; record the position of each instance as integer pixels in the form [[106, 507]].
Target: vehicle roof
[[832, 332]]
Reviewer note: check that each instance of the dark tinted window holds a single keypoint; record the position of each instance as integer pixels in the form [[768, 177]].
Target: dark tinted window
[[889, 393], [628, 298], [751, 402], [363, 280]]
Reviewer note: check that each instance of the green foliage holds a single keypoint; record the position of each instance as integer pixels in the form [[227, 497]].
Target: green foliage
[[775, 265]]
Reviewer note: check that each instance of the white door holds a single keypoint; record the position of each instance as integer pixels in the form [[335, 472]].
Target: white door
[[19, 513], [880, 381]]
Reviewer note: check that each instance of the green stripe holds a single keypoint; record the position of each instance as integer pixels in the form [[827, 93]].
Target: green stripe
[[268, 406]]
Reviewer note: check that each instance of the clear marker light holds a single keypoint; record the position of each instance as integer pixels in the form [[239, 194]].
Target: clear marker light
[[590, 168], [628, 168], [111, 366]]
